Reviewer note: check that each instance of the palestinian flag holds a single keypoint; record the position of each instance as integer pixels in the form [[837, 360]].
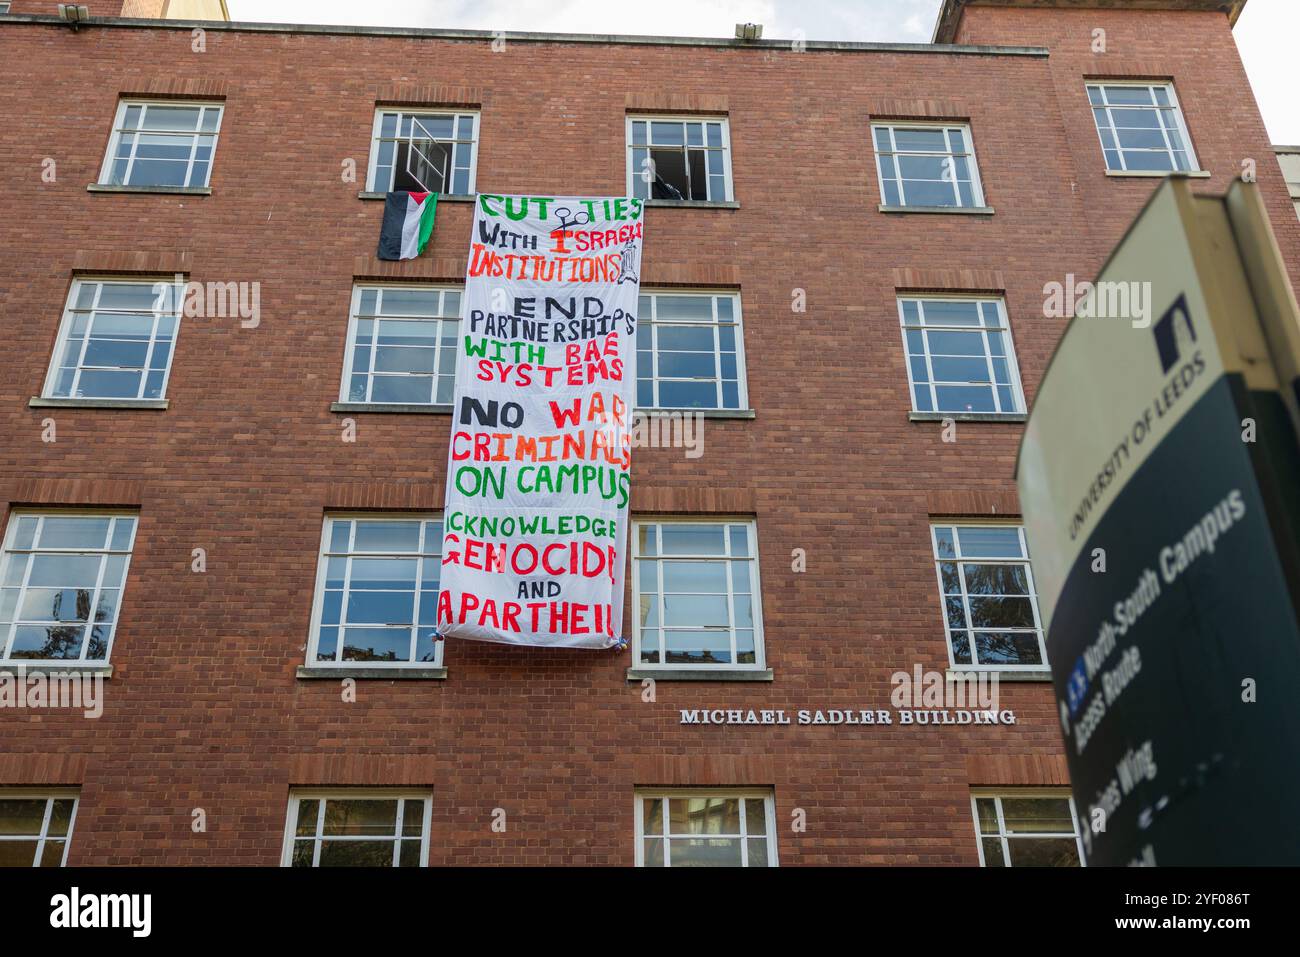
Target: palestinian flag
[[408, 222]]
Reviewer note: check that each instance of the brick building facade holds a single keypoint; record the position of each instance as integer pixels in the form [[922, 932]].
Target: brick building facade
[[829, 453]]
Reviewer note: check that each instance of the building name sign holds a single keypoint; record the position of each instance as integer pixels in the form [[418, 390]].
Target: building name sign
[[845, 716]]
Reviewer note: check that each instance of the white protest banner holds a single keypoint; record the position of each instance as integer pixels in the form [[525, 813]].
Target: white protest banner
[[538, 470]]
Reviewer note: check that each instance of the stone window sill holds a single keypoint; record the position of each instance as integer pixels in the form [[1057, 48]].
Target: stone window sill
[[39, 402], [167, 190], [704, 413], [682, 674], [390, 407], [968, 416], [959, 210], [44, 667], [309, 673], [442, 197], [1028, 674], [1155, 174], [694, 203]]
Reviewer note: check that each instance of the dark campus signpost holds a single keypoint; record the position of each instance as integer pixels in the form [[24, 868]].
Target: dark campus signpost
[[1159, 482]]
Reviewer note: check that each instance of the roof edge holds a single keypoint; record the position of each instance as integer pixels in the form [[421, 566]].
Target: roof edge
[[945, 27], [527, 37]]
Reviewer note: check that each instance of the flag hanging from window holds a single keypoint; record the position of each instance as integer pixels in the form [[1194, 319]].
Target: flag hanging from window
[[408, 223]]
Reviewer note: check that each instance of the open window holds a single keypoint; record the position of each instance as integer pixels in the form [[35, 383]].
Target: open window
[[424, 152], [682, 159]]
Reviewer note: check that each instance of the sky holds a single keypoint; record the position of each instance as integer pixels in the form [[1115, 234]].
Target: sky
[[1268, 33]]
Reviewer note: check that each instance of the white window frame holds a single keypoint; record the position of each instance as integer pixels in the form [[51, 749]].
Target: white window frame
[[741, 794], [633, 172], [11, 530], [298, 795], [49, 796], [756, 584], [1175, 107], [1013, 366], [974, 665], [654, 325], [345, 383], [998, 794], [65, 329], [106, 170], [318, 600], [976, 181], [401, 111]]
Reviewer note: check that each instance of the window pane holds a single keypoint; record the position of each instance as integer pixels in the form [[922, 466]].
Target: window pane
[[307, 812], [693, 539], [1001, 613], [52, 855], [666, 134], [952, 312], [61, 817], [697, 647], [966, 399], [1037, 816], [21, 816], [677, 394], [694, 577], [927, 140], [993, 852], [960, 369], [360, 817], [1007, 648], [996, 579], [1043, 852], [170, 118], [61, 642], [695, 611], [356, 853], [376, 644], [17, 853], [717, 852], [704, 815], [654, 852], [387, 536], [989, 541]]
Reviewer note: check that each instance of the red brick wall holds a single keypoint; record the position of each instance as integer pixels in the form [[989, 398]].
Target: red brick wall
[[1194, 50], [204, 709]]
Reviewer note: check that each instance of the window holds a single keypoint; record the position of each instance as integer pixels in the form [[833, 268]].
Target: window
[[690, 353], [959, 356], [705, 829], [162, 144], [696, 594], [927, 165], [35, 827], [1029, 829], [424, 152], [377, 592], [990, 608], [679, 158], [357, 829], [116, 340], [401, 345], [1141, 127], [4, 8], [61, 582]]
